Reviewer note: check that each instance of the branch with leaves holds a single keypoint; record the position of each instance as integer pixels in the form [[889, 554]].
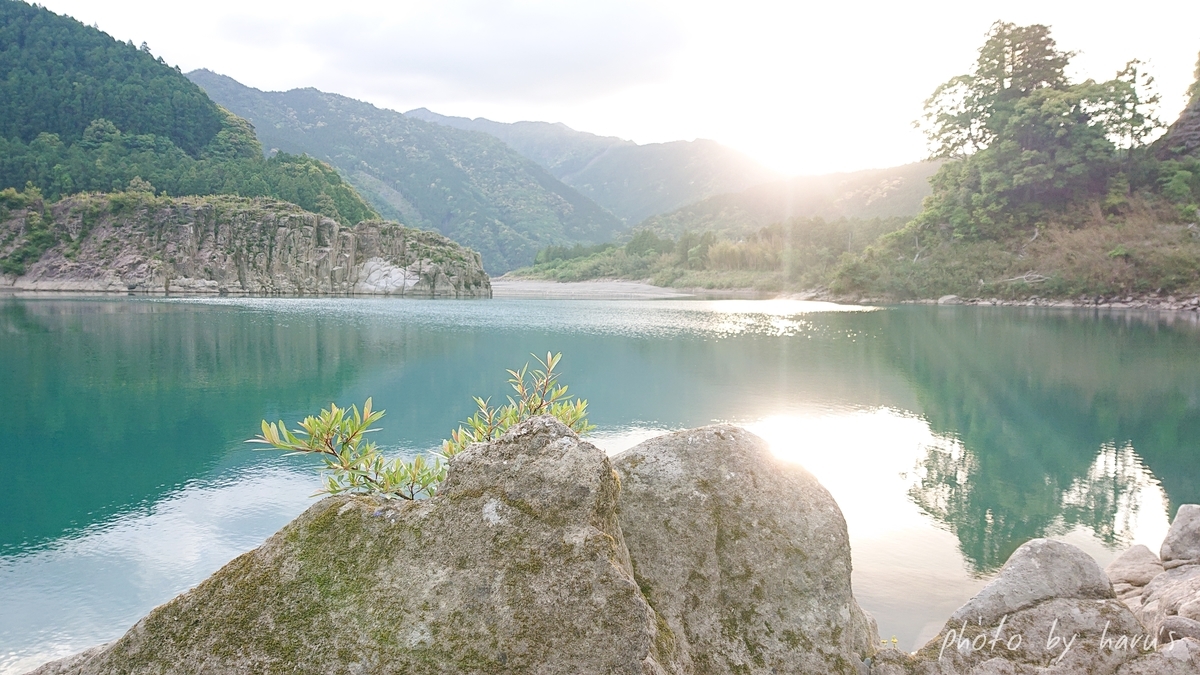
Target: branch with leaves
[[357, 467], [337, 434], [537, 393]]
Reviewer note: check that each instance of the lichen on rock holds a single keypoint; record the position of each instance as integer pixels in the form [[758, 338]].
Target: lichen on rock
[[515, 566], [744, 556]]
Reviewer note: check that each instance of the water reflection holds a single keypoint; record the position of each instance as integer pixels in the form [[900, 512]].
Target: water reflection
[[1051, 421], [948, 436]]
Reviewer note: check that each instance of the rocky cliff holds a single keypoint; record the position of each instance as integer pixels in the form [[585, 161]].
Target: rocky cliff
[[1183, 138], [137, 242]]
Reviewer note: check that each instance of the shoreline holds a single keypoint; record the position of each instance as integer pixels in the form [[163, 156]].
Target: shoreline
[[625, 289], [628, 289]]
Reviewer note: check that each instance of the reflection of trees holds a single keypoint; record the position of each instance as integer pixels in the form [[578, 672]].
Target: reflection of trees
[[1044, 415], [110, 404], [1106, 498]]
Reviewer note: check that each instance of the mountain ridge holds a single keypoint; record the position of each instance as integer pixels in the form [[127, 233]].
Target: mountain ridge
[[630, 180], [871, 193], [468, 185]]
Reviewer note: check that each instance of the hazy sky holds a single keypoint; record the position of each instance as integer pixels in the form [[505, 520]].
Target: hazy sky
[[804, 87]]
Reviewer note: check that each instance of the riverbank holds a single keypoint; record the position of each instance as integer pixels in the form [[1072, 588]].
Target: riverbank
[[611, 289], [1167, 303], [623, 289]]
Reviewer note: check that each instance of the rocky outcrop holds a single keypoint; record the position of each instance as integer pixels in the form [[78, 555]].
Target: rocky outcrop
[[1182, 545], [692, 553], [136, 242], [517, 565], [733, 562], [744, 557], [1164, 591], [1052, 610], [1183, 137]]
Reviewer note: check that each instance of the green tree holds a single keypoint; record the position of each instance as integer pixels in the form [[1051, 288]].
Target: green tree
[[58, 76], [1025, 140], [968, 112]]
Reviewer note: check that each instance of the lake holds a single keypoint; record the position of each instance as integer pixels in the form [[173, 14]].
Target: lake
[[948, 435]]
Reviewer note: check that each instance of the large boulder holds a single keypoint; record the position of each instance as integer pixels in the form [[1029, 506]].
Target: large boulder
[[1051, 609], [1182, 545], [516, 566], [1041, 569], [1172, 593], [1136, 567], [1181, 657], [1130, 573], [745, 557]]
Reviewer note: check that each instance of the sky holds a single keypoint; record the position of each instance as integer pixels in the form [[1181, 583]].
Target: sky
[[803, 87]]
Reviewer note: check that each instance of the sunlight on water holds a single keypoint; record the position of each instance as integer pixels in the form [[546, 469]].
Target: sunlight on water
[[779, 307], [866, 459], [869, 460], [647, 318]]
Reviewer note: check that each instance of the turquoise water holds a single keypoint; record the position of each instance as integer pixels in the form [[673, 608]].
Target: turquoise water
[[948, 435]]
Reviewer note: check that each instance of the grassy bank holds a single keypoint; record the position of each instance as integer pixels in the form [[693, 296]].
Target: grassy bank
[[1146, 249]]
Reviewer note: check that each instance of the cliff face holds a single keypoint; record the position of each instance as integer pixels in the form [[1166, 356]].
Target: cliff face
[[135, 242], [1183, 138]]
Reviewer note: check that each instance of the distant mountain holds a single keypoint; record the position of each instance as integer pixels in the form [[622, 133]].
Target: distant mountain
[[469, 186], [875, 193], [630, 180]]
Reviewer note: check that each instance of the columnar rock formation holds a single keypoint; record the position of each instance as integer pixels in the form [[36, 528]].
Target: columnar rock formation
[[131, 242]]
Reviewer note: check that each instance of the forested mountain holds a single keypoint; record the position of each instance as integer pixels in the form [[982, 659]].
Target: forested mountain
[[80, 112], [877, 193], [61, 75], [468, 185], [630, 180]]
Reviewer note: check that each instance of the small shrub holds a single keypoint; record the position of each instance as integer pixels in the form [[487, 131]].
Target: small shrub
[[337, 435], [542, 395], [352, 466]]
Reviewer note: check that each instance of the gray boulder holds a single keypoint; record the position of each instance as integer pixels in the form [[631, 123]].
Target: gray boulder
[[1181, 657], [744, 557], [1182, 545], [516, 566], [1135, 567], [1174, 592], [1164, 595], [1050, 610], [1130, 573], [1177, 627], [1039, 570]]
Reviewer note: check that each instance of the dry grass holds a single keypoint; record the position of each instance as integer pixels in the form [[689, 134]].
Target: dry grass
[[1143, 249]]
